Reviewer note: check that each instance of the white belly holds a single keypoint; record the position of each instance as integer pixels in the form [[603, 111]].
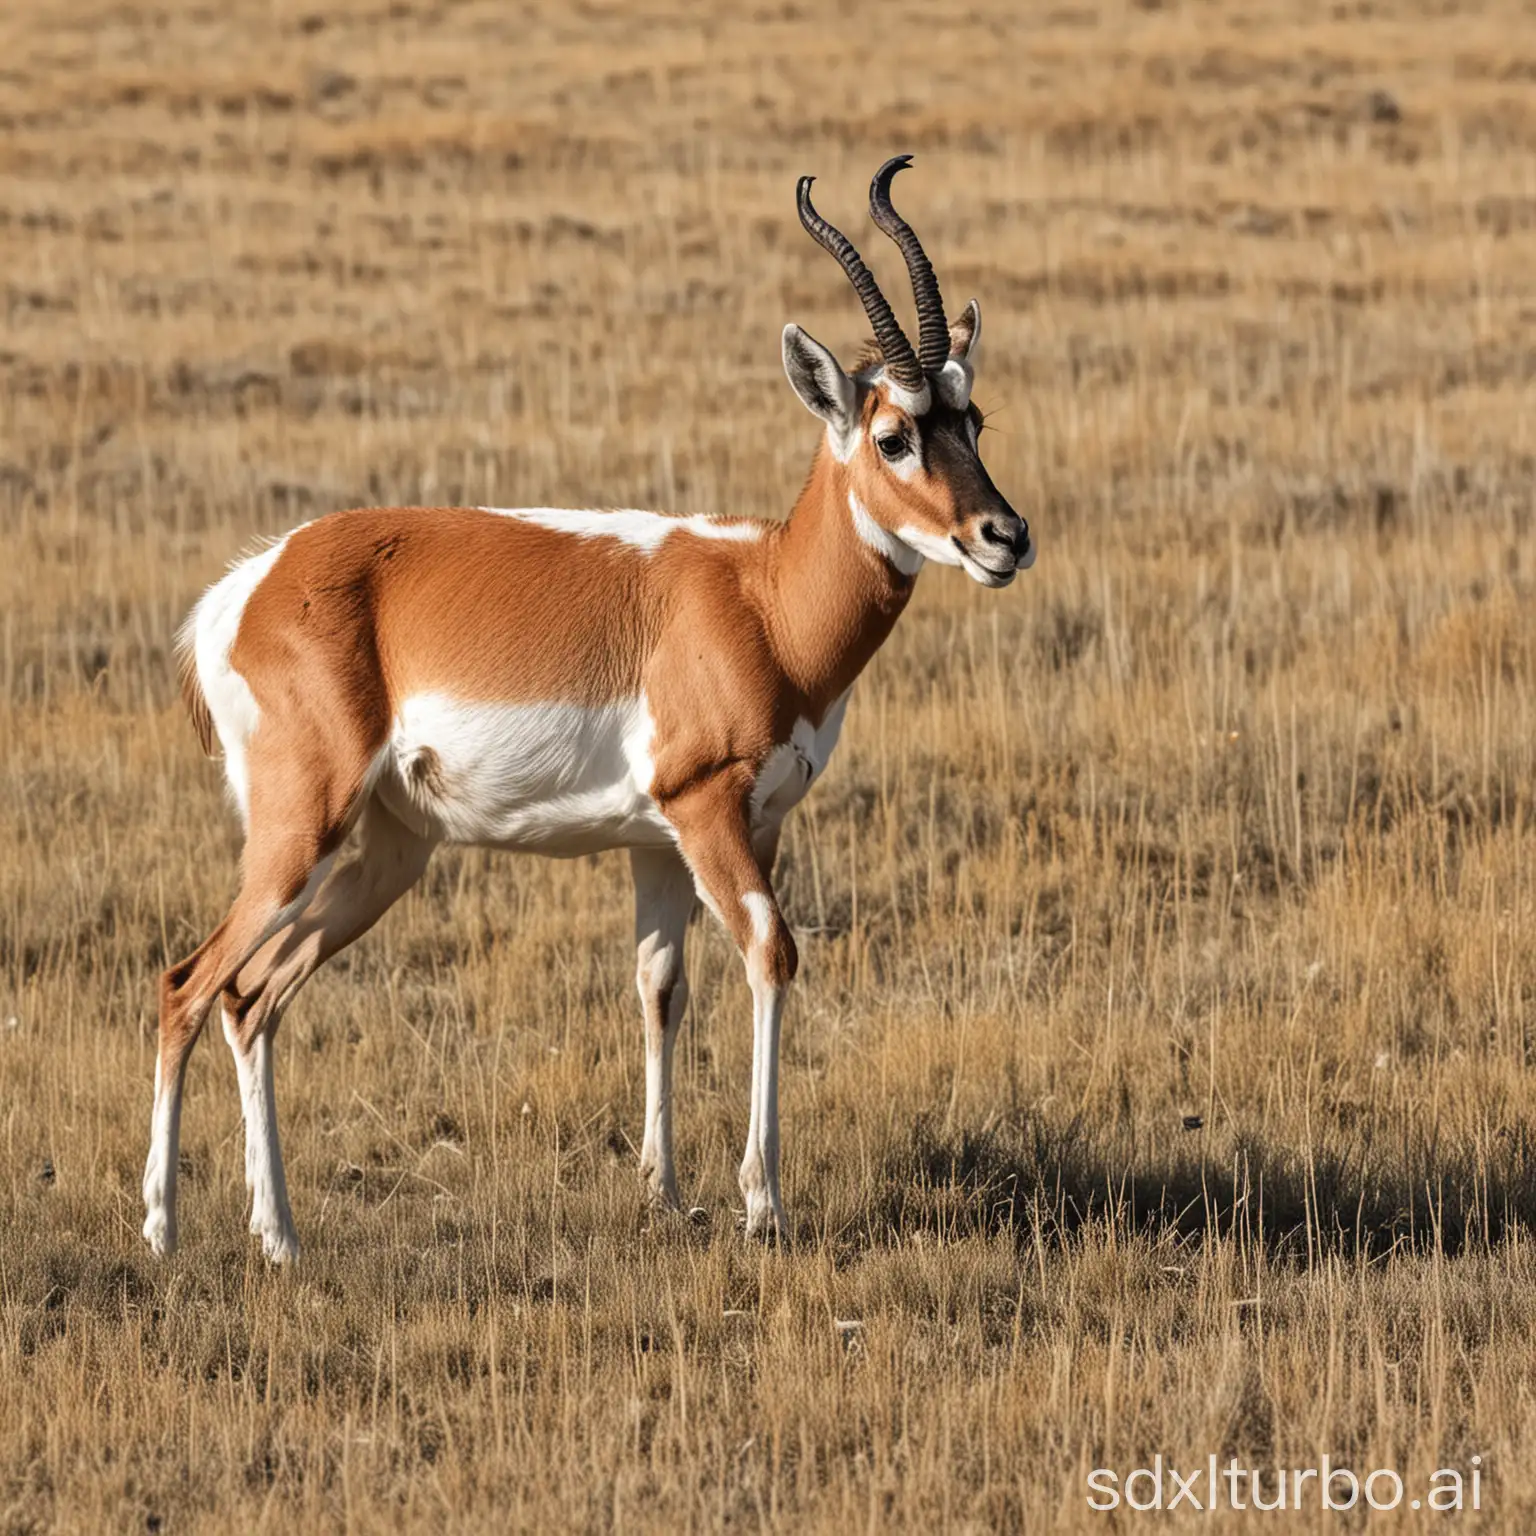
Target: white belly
[[559, 779]]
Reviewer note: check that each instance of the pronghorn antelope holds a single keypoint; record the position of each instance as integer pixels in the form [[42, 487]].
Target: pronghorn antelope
[[558, 682]]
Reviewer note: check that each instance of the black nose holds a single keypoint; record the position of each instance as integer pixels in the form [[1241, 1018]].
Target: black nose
[[1012, 535]]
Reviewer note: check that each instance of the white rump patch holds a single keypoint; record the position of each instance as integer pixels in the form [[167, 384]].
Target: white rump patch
[[209, 633], [552, 778], [901, 554], [641, 530]]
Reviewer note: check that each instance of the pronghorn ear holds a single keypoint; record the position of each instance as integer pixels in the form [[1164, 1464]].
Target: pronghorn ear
[[965, 332], [959, 371], [819, 380]]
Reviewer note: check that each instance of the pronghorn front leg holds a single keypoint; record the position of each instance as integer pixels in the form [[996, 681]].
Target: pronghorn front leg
[[714, 832], [664, 900]]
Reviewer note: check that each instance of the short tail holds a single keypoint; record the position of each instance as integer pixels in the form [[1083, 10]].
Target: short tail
[[192, 694]]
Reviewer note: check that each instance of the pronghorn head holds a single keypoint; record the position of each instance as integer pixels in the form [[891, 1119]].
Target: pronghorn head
[[905, 426]]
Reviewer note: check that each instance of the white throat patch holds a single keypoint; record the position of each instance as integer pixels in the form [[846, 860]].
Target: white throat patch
[[885, 544]]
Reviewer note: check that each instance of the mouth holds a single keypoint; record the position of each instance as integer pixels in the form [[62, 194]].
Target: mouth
[[992, 576]]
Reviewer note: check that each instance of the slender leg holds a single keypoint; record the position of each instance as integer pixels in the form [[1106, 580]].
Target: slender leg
[[300, 809], [715, 836], [385, 862], [271, 1218], [664, 899], [759, 1176], [164, 1153], [280, 882], [767, 1021]]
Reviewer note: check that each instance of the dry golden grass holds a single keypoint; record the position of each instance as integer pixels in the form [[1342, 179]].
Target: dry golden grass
[[1224, 812]]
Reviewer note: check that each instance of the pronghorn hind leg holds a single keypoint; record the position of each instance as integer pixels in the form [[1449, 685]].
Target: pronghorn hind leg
[[271, 896], [714, 832], [289, 848], [664, 898], [383, 863]]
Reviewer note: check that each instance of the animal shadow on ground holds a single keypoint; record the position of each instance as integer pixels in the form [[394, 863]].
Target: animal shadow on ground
[[1047, 1182]]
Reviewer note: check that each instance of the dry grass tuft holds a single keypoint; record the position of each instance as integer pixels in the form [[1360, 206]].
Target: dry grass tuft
[[1159, 1078]]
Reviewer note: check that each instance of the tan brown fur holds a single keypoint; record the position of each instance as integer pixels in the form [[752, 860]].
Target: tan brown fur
[[365, 608], [731, 642], [399, 600], [734, 644]]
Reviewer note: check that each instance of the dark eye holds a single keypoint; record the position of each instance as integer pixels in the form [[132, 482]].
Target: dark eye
[[892, 445]]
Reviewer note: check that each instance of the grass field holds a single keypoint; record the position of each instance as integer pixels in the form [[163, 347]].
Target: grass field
[[1159, 1075]]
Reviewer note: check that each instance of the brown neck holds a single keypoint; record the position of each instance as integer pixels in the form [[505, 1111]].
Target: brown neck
[[834, 598]]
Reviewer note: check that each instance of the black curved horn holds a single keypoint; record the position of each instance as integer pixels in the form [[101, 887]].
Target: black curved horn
[[901, 362], [932, 328]]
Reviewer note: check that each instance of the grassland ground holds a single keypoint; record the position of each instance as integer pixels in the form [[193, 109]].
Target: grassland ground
[[1159, 1075]]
